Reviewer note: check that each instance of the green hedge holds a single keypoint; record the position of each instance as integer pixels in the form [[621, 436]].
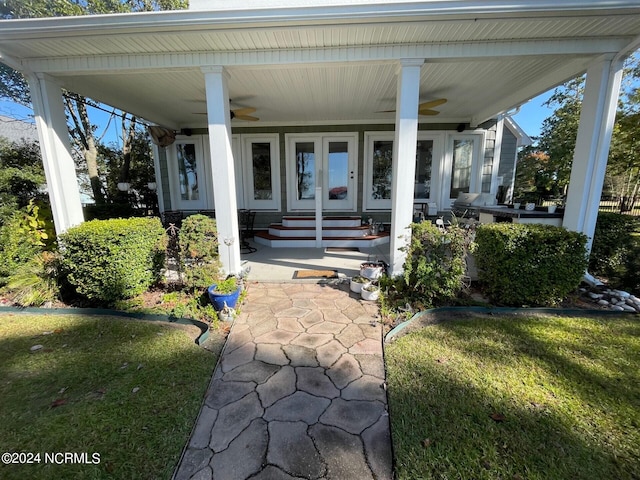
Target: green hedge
[[199, 238], [529, 264], [435, 265], [109, 260], [616, 247]]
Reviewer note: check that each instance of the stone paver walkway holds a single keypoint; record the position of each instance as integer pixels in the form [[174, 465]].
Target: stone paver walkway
[[298, 393]]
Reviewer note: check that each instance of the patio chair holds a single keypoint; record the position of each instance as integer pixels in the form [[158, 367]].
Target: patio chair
[[246, 219]]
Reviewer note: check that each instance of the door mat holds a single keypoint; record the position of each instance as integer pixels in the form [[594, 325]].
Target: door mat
[[315, 274], [342, 249]]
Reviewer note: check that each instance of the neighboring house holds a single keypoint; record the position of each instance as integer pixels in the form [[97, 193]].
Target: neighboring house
[[360, 108], [16, 130]]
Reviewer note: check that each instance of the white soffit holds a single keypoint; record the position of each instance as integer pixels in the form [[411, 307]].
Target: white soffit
[[299, 62]]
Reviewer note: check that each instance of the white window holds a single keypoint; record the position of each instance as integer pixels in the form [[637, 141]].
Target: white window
[[261, 167], [187, 175], [378, 169], [461, 168]]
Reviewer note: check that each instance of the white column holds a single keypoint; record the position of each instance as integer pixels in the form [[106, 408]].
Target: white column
[[497, 153], [59, 167], [222, 169], [318, 214], [404, 159], [597, 118]]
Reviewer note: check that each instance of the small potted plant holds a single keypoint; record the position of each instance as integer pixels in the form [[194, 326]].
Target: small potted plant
[[372, 271], [224, 293], [370, 291], [357, 282]]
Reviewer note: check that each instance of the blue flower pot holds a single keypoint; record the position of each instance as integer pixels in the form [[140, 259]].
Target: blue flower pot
[[219, 299]]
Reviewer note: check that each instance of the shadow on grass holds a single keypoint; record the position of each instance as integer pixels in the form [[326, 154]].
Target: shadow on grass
[[553, 417], [124, 389]]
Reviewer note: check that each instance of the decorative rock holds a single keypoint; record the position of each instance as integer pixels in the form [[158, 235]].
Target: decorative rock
[[617, 308], [35, 348], [595, 296], [603, 302], [623, 294], [627, 308]]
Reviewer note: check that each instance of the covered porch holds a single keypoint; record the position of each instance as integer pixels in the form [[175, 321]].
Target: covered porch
[[327, 82], [280, 265]]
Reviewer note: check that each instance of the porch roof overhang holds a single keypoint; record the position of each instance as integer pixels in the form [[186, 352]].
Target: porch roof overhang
[[324, 63]]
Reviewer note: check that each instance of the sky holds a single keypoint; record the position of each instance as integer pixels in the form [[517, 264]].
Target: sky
[[530, 117], [533, 113]]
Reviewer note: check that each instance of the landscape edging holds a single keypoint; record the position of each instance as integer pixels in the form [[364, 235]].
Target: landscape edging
[[204, 328], [398, 329]]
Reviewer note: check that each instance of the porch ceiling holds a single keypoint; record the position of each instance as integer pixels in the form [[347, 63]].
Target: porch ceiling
[[321, 66]]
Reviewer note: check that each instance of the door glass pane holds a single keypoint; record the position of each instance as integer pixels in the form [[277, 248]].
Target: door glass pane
[[338, 170], [424, 155], [188, 171], [382, 163], [461, 168], [261, 158], [305, 171]]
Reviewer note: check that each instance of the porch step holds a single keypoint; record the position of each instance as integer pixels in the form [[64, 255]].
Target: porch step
[[302, 222], [279, 230], [274, 241]]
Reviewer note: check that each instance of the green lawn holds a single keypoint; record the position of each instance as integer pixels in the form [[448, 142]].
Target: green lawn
[[517, 398], [126, 390]]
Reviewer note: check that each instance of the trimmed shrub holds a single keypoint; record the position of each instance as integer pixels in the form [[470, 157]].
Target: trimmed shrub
[[615, 248], [435, 266], [200, 276], [199, 238], [109, 260], [529, 264]]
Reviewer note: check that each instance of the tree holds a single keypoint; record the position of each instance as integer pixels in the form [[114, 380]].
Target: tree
[[21, 176], [14, 87], [558, 134], [536, 179], [546, 166], [623, 170], [140, 170]]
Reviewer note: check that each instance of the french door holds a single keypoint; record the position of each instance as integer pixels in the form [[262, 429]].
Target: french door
[[327, 161]]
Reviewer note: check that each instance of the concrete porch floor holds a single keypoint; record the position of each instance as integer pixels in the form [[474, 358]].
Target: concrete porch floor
[[279, 264]]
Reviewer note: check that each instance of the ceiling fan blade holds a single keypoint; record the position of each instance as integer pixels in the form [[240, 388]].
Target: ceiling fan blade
[[421, 111], [243, 111], [432, 103], [247, 118]]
